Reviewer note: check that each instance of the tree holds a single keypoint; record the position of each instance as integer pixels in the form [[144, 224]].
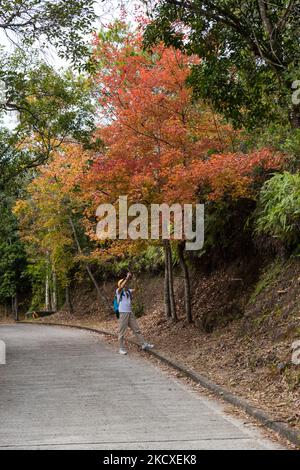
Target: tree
[[52, 108], [153, 131], [62, 23], [51, 217], [48, 106], [13, 260], [249, 53]]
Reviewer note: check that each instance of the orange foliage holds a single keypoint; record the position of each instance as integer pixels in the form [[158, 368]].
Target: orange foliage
[[152, 129], [234, 175], [160, 146]]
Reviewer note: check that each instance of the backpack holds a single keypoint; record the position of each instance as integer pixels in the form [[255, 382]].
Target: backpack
[[116, 303]]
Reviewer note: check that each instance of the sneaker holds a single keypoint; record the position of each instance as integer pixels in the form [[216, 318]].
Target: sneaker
[[147, 346], [123, 352]]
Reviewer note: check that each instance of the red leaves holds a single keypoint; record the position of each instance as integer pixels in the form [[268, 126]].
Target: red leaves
[[153, 130], [234, 174]]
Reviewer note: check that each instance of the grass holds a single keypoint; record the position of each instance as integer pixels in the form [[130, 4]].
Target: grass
[[267, 279]]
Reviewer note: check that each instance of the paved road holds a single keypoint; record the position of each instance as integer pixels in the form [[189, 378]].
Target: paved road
[[67, 389]]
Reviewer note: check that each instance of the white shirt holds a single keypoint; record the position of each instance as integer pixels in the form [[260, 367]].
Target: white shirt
[[125, 303]]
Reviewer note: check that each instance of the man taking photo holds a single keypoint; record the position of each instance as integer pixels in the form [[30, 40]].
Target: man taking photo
[[126, 315]]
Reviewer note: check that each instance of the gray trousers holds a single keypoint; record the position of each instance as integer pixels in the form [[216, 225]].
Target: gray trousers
[[128, 320]]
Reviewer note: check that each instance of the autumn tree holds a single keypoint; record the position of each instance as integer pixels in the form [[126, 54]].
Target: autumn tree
[[158, 145], [51, 218], [152, 129]]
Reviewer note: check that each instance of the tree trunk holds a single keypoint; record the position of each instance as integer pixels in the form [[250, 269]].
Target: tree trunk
[[87, 266], [47, 294], [295, 117], [15, 307], [166, 283], [68, 300], [171, 282], [187, 285], [54, 292]]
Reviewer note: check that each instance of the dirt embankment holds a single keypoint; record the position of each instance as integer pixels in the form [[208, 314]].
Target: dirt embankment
[[246, 319]]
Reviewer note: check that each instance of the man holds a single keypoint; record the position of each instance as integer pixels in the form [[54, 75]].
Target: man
[[126, 315]]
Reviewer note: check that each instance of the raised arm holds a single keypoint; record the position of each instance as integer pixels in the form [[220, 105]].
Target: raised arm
[[124, 282]]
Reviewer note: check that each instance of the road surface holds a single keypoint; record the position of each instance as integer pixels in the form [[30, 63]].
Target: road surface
[[63, 388]]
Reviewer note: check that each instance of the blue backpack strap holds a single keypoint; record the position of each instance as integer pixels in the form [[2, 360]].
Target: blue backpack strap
[[121, 295]]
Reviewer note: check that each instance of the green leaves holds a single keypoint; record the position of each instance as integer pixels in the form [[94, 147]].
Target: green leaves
[[62, 24], [12, 253], [51, 107], [278, 213], [249, 53]]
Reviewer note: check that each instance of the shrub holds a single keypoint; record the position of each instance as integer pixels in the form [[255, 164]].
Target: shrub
[[278, 213]]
